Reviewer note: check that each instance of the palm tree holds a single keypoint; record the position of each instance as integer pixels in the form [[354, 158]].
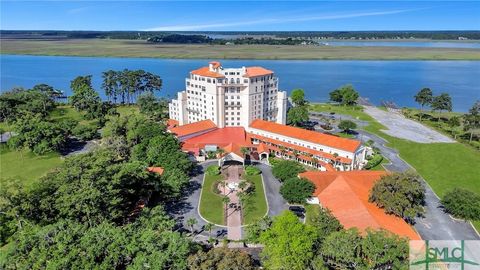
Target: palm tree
[[245, 151], [296, 154], [335, 155], [226, 201], [315, 162], [242, 185], [191, 222], [220, 152], [209, 227]]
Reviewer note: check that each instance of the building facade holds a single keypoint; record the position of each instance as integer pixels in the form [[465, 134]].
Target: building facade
[[230, 97]]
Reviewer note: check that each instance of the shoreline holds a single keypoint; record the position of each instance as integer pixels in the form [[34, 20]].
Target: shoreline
[[251, 59], [141, 49]]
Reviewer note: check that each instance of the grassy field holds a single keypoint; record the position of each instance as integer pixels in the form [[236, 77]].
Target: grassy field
[[211, 205], [256, 205], [379, 167], [139, 48], [24, 166]]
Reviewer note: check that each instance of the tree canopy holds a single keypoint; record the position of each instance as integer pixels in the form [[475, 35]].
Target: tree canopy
[[299, 112], [443, 102], [424, 97], [298, 97], [401, 194], [16, 102], [345, 95], [287, 169], [462, 203], [347, 125], [288, 244], [296, 190], [220, 259], [127, 84]]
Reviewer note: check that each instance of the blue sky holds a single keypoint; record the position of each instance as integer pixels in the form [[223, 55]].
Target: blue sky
[[240, 16]]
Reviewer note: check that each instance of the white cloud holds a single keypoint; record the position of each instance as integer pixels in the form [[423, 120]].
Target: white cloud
[[215, 26]]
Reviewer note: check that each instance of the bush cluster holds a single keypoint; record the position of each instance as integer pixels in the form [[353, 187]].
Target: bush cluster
[[374, 161], [297, 190], [287, 169], [462, 203]]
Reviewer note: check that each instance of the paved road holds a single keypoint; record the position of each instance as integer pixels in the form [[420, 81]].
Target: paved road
[[276, 203]]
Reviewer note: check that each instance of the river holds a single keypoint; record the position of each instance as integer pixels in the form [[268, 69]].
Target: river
[[396, 81]]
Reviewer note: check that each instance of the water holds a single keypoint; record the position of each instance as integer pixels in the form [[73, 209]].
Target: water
[[425, 44], [396, 81]]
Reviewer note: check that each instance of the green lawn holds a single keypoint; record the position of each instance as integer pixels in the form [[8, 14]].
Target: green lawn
[[211, 205], [25, 166], [311, 212], [256, 206]]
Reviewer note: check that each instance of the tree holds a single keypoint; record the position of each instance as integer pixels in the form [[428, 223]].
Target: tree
[[454, 122], [245, 151], [401, 194], [346, 249], [340, 249], [347, 125], [254, 230], [191, 222], [345, 95], [424, 97], [110, 84], [443, 102], [67, 244], [324, 223], [38, 135], [287, 169], [295, 190], [288, 244], [208, 227], [153, 107], [471, 120], [462, 203], [297, 115], [84, 97], [298, 97], [221, 259], [14, 103]]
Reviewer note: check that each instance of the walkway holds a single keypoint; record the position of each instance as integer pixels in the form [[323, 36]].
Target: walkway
[[234, 216]]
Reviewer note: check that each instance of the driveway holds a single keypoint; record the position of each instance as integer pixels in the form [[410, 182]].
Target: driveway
[[276, 203]]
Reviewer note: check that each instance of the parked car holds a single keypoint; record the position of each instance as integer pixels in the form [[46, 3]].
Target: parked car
[[298, 210]]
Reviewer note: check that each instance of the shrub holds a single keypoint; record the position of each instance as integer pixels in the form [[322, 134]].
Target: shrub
[[287, 169], [462, 203], [401, 194], [213, 170], [251, 170], [347, 125], [85, 132], [273, 161], [374, 161], [296, 190]]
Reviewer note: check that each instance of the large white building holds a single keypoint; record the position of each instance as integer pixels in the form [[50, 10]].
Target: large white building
[[230, 97]]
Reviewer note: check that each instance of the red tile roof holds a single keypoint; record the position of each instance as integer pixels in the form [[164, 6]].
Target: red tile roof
[[299, 148], [231, 139], [307, 135], [346, 195], [257, 71], [193, 128], [205, 71], [215, 64], [158, 170], [171, 123]]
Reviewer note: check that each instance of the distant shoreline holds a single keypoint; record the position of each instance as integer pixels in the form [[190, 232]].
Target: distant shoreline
[[142, 49]]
